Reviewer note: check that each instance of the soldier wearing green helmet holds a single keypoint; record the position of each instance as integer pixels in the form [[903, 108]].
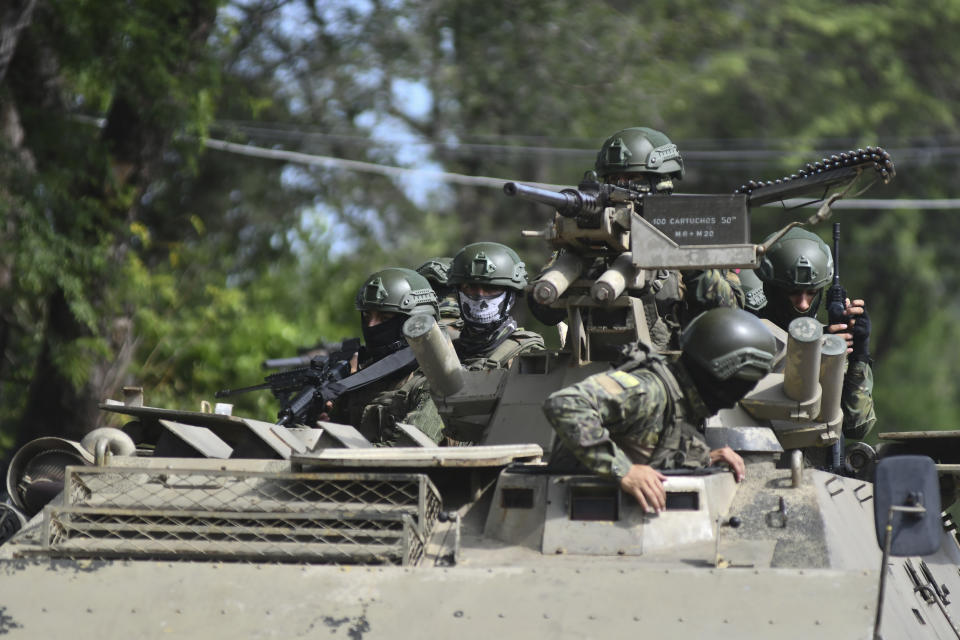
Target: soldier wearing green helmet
[[648, 414], [794, 272], [385, 301], [437, 272], [488, 277], [640, 157], [644, 159]]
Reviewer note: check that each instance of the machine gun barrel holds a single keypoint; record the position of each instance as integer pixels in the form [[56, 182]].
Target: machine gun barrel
[[569, 203]]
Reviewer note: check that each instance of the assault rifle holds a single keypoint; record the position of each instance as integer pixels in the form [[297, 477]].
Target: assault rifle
[[322, 349], [297, 388], [305, 391]]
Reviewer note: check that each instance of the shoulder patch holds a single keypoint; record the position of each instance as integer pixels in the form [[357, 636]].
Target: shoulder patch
[[755, 299], [625, 379]]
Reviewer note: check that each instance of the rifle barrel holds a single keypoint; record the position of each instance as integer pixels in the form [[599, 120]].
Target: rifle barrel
[[223, 393]]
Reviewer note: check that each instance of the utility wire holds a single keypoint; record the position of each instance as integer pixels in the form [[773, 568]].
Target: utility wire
[[357, 165], [497, 183], [734, 150]]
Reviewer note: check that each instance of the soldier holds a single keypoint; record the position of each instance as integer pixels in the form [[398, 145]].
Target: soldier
[[386, 299], [646, 160], [648, 414], [488, 277], [436, 271], [794, 273]]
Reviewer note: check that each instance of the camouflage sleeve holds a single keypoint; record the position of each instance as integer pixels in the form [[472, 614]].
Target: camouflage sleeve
[[711, 288], [450, 315], [591, 416], [423, 413], [410, 403], [857, 400]]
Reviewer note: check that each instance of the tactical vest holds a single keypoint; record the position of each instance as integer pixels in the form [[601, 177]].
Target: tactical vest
[[664, 293], [381, 414], [520, 341], [681, 444]]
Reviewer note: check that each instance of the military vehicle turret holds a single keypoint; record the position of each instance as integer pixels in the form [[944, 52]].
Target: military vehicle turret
[[205, 524]]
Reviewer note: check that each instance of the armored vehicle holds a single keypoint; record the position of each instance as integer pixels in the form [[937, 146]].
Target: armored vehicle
[[206, 524]]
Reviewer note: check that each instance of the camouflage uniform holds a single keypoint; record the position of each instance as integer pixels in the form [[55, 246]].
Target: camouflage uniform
[[648, 412], [376, 409], [435, 270], [856, 400], [516, 341], [680, 296], [403, 395], [450, 316], [712, 288]]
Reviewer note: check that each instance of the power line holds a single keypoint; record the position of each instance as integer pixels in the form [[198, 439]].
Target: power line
[[497, 183], [354, 165]]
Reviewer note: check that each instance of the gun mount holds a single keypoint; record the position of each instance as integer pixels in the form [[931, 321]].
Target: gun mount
[[612, 245]]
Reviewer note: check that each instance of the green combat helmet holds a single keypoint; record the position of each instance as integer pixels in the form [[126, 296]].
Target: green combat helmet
[[488, 263], [639, 150], [436, 270], [796, 262], [729, 344], [799, 260], [398, 290]]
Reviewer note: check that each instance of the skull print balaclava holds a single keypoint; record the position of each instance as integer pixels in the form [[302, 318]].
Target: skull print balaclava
[[486, 321]]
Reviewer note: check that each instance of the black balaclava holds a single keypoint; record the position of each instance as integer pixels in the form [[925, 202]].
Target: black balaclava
[[716, 394], [486, 321], [780, 310], [383, 339]]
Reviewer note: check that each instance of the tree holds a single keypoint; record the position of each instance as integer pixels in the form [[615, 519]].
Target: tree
[[75, 194]]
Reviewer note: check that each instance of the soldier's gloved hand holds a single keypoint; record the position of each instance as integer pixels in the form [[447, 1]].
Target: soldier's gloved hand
[[861, 338], [854, 310]]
